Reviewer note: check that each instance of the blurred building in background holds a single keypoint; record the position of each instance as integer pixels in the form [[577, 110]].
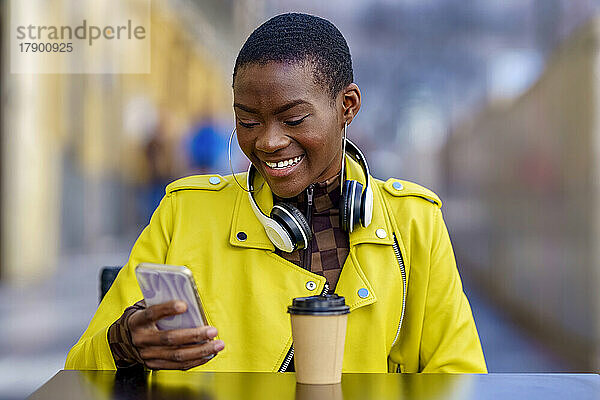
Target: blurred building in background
[[490, 104], [523, 179], [79, 151]]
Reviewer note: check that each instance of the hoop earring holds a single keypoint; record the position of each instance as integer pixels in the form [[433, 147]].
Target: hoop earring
[[343, 158], [233, 132]]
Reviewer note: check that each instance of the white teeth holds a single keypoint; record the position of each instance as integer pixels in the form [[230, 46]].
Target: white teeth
[[284, 163]]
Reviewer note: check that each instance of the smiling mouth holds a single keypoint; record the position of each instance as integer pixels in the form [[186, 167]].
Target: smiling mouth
[[283, 164]]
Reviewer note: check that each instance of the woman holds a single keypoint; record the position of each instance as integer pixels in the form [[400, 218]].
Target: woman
[[382, 245]]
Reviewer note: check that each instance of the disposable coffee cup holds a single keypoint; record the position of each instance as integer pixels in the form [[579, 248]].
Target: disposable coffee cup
[[319, 334]]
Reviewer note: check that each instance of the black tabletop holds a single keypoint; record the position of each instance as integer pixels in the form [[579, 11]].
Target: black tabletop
[[237, 385]]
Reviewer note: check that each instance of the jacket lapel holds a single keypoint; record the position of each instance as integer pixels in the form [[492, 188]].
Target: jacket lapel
[[353, 283], [246, 230]]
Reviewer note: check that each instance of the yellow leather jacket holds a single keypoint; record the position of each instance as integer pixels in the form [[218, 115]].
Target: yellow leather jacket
[[412, 317]]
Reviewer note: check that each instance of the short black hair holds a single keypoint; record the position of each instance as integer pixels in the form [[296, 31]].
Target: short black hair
[[296, 38]]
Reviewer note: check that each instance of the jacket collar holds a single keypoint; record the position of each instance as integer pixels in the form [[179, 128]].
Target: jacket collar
[[247, 231]]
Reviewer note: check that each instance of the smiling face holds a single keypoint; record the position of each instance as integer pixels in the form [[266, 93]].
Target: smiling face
[[288, 126]]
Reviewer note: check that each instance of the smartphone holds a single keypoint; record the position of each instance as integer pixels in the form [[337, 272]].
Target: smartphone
[[162, 283]]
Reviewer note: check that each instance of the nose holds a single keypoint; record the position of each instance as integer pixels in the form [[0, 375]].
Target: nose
[[271, 139]]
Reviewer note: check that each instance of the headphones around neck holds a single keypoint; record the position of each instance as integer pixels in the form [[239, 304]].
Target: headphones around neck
[[288, 229]]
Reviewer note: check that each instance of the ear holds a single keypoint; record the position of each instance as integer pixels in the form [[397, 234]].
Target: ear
[[351, 102]]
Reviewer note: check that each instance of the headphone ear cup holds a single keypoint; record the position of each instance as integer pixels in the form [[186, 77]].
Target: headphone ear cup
[[366, 207], [294, 222], [344, 208], [356, 204], [350, 205]]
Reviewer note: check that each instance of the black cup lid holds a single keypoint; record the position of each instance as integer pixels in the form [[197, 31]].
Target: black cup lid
[[329, 304]]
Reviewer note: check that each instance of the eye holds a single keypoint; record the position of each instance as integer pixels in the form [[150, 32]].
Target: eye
[[296, 122], [247, 125]]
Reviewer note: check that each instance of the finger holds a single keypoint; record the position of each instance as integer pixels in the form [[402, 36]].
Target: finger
[[167, 364], [178, 337], [182, 355], [154, 313], [175, 337]]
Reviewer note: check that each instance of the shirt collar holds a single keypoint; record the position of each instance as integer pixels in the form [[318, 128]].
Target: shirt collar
[[326, 196]]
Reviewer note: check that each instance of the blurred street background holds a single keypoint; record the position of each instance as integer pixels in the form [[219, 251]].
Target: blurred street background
[[491, 104]]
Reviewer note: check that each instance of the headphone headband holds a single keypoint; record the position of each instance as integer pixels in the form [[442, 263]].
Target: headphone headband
[[355, 208], [360, 158]]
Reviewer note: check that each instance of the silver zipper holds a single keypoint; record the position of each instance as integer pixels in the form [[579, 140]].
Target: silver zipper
[[290, 353], [309, 195], [308, 250], [287, 360], [403, 272]]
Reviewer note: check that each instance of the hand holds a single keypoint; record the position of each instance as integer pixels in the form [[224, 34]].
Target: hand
[[172, 349]]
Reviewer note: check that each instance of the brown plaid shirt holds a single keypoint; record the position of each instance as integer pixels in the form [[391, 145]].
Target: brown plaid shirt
[[325, 255], [330, 245]]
